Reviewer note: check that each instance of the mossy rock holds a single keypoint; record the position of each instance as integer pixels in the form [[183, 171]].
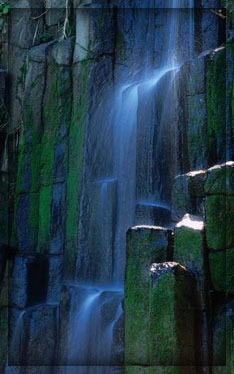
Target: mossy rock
[[221, 266], [216, 106], [219, 212], [145, 245], [196, 132], [171, 340], [81, 74], [190, 251], [220, 180], [188, 193]]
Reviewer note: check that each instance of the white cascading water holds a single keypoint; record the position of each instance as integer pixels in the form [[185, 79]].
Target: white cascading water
[[92, 322], [15, 355], [89, 343]]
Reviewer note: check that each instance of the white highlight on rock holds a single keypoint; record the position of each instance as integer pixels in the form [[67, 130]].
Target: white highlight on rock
[[192, 222]]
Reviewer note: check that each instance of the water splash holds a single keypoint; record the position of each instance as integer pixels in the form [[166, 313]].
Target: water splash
[[91, 323]]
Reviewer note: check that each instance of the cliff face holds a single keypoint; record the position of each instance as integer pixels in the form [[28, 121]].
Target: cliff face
[[61, 65]]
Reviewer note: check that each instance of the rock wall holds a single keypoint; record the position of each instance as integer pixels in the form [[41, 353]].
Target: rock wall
[[56, 76]]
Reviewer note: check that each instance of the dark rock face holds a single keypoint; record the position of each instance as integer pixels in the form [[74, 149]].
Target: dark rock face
[[36, 332], [108, 316], [29, 275]]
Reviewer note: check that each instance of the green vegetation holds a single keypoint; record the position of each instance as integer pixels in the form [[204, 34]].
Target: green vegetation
[[4, 8], [216, 107], [76, 136]]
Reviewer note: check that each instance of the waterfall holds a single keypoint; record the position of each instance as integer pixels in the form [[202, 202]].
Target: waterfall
[[125, 168], [122, 186], [93, 314], [16, 346]]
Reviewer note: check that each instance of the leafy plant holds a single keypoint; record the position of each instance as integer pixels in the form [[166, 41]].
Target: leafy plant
[[4, 8]]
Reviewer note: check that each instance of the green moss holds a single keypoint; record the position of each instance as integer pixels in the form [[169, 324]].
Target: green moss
[[221, 270], [51, 121], [23, 70], [144, 247], [197, 136], [188, 248], [216, 107], [51, 115], [189, 251], [220, 181], [36, 157], [162, 327], [219, 221], [76, 137]]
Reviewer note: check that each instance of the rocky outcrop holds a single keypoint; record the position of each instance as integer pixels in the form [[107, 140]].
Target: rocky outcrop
[[145, 245], [202, 249]]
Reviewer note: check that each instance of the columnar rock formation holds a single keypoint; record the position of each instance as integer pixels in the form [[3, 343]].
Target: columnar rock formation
[[181, 313], [61, 62]]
